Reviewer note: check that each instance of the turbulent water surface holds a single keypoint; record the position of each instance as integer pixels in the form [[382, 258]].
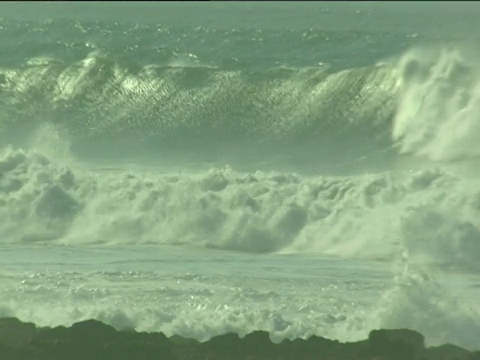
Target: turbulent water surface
[[200, 168]]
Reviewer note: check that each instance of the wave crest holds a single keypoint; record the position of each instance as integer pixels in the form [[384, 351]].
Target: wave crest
[[439, 107]]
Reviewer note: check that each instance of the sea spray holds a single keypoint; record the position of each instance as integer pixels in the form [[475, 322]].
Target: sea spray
[[439, 106]]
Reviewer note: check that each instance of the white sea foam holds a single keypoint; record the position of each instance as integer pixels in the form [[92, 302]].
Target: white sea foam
[[203, 294], [430, 212], [438, 113], [422, 300]]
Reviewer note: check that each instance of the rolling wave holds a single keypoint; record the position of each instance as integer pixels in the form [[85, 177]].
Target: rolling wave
[[424, 103], [190, 105]]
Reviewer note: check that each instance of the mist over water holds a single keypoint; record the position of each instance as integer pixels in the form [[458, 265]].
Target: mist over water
[[331, 143]]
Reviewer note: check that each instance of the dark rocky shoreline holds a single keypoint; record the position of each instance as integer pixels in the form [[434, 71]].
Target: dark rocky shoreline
[[94, 340]]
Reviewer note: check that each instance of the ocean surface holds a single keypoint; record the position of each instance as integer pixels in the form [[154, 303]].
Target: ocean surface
[[203, 168]]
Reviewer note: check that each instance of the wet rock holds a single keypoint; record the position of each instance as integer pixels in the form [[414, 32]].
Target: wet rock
[[402, 344], [92, 340]]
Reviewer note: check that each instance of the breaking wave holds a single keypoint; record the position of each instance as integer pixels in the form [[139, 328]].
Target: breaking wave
[[429, 212], [425, 103], [98, 100]]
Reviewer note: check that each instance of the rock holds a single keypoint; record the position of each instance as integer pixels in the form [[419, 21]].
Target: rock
[[313, 347], [14, 331], [93, 340], [402, 344], [448, 352]]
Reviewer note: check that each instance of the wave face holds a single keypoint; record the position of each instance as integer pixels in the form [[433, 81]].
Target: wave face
[[118, 89], [197, 108]]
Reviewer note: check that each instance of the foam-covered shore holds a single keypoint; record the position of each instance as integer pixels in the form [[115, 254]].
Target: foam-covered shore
[[92, 339]]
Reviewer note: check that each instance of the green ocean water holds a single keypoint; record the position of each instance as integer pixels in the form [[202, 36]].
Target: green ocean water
[[197, 168]]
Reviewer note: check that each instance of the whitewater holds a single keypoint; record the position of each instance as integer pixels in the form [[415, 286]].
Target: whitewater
[[196, 169]]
